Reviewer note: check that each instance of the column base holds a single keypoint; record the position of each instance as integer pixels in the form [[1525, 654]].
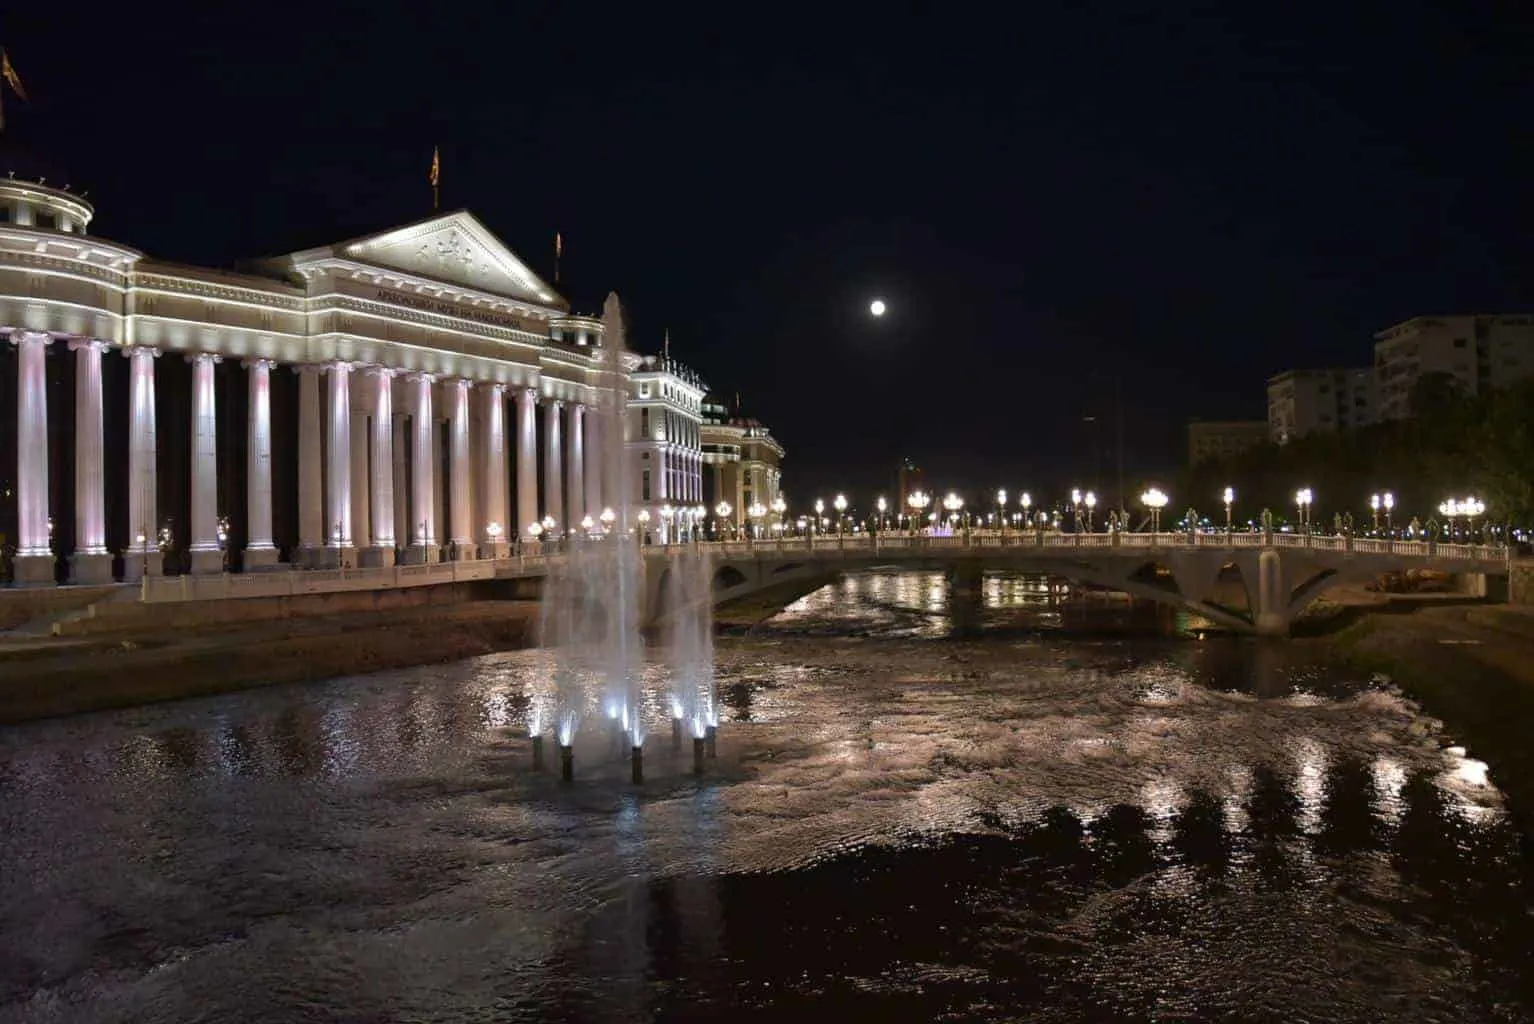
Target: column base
[[376, 558], [207, 563], [336, 558], [496, 549], [136, 565], [35, 571], [463, 551], [260, 559], [421, 554], [85, 569]]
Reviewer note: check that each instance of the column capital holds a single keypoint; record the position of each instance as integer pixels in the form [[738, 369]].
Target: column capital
[[198, 357], [381, 371], [308, 369], [19, 337], [419, 377], [554, 403], [259, 364], [578, 408], [495, 387], [527, 395], [96, 344], [129, 351]]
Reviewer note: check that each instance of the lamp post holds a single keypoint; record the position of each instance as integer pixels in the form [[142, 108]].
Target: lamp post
[[143, 546], [917, 501], [1155, 500], [1027, 502], [722, 512], [1302, 500], [667, 513], [840, 504], [588, 525], [881, 505], [535, 531], [756, 512], [1091, 502], [1229, 497], [1001, 507], [952, 504], [1389, 503], [1374, 510], [779, 508], [644, 525], [608, 517], [1076, 509], [494, 531]]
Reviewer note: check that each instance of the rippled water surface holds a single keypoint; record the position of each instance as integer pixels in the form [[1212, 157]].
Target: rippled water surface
[[909, 819]]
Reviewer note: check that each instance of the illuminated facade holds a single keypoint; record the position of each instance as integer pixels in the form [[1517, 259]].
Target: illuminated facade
[[412, 395], [665, 416], [1478, 353], [743, 466]]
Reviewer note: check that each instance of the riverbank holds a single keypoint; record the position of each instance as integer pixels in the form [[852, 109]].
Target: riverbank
[[46, 677]]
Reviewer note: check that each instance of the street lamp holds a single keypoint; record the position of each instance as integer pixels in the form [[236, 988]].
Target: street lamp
[[952, 503], [1001, 505], [756, 512], [840, 503], [1229, 497], [1155, 500], [881, 505], [144, 547], [1076, 509], [644, 525], [535, 531], [722, 510], [608, 517], [588, 524], [667, 513], [1091, 503], [1389, 502], [917, 501], [1302, 500]]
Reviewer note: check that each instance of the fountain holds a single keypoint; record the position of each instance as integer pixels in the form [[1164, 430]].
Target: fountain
[[590, 613]]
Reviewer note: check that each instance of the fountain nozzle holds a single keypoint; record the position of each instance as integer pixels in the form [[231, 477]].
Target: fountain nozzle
[[566, 763], [712, 739], [537, 753], [698, 745], [636, 766], [676, 734]]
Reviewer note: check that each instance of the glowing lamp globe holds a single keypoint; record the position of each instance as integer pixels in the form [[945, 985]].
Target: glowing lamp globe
[[877, 307]]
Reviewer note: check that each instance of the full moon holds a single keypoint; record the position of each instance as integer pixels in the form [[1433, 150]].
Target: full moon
[[876, 307]]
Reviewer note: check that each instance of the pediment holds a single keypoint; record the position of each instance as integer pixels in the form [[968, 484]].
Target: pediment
[[458, 249]]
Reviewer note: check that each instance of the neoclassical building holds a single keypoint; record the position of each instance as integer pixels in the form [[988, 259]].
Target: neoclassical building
[[744, 463], [418, 394]]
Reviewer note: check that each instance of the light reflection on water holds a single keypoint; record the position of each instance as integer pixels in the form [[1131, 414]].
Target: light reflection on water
[[900, 826]]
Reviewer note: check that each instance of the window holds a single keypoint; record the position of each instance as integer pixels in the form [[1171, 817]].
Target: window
[[644, 422], [644, 486], [47, 220]]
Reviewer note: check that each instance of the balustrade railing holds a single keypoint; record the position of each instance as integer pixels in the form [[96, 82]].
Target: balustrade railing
[[858, 546]]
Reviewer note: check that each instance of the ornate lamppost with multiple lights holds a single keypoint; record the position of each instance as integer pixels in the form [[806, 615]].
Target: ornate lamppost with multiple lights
[[917, 502], [840, 504], [1303, 498], [1090, 501], [880, 505], [721, 513], [1155, 500], [756, 512], [1228, 496], [953, 505]]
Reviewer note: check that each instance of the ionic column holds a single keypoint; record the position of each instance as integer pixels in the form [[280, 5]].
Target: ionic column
[[143, 555], [338, 463], [527, 467], [495, 533], [260, 550], [575, 464], [459, 474], [90, 562], [553, 465], [207, 557], [381, 553], [34, 550], [423, 531], [595, 421], [311, 479]]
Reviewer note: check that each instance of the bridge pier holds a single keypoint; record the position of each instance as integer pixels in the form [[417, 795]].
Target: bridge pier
[[1271, 616]]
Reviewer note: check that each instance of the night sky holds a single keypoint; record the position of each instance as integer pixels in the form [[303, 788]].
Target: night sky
[[1097, 199]]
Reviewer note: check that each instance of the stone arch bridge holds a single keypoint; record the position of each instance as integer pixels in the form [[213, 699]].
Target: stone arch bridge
[[1282, 573]]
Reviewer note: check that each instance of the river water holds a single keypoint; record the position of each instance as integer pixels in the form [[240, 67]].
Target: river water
[[917, 813]]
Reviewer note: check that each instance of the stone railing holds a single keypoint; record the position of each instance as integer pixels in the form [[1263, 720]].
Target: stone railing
[[862, 544], [157, 589]]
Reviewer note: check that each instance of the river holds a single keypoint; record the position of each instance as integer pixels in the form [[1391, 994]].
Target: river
[[916, 814]]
